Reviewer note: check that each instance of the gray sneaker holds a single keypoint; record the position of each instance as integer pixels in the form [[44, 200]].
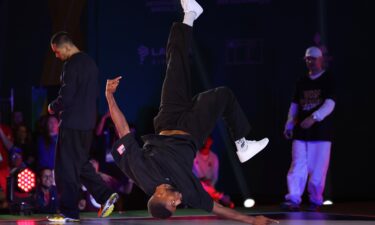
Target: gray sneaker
[[109, 205]]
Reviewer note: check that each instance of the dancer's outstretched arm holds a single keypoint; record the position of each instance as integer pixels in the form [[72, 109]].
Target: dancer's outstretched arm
[[117, 116], [228, 213]]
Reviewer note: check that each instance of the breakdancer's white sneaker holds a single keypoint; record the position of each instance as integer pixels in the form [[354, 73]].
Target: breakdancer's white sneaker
[[191, 6], [247, 149]]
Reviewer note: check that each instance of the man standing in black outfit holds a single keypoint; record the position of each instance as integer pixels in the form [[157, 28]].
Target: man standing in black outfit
[[163, 167], [76, 104]]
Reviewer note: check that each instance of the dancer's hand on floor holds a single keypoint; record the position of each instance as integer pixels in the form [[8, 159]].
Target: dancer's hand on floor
[[112, 85], [262, 220]]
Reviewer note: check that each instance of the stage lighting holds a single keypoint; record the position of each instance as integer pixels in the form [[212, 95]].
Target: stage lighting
[[327, 202], [248, 203], [20, 189], [26, 180]]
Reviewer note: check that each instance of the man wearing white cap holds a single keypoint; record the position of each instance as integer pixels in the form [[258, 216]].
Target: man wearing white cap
[[310, 126]]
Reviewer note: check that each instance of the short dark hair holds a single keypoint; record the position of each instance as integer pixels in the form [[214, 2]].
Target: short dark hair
[[61, 37], [157, 209], [41, 170]]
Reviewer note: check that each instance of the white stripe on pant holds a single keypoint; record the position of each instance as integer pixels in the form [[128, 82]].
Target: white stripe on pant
[[310, 160]]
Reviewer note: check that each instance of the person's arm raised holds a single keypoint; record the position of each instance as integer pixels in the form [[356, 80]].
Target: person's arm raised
[[117, 116]]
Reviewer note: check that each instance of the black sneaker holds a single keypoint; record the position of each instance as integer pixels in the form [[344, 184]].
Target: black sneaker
[[313, 207], [290, 206]]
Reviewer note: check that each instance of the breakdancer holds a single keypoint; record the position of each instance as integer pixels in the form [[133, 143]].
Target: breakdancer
[[163, 167]]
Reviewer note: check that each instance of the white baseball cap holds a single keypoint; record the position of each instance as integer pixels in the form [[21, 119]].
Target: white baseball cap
[[314, 52]]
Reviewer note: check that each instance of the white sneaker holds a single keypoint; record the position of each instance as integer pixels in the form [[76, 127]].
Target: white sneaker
[[191, 6], [250, 148]]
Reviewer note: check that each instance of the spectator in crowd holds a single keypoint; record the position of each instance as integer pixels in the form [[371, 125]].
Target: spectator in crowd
[[16, 160], [46, 143], [206, 168], [23, 140], [17, 119], [6, 143], [46, 200]]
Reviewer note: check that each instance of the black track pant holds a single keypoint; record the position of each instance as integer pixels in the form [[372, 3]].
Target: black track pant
[[196, 115], [72, 168]]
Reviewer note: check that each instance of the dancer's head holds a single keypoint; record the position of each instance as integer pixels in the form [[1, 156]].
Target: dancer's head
[[62, 45], [314, 59], [164, 201]]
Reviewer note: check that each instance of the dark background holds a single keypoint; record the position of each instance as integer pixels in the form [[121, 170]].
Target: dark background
[[254, 47]]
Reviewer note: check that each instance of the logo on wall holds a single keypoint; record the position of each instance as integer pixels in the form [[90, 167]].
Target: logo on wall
[[244, 51], [237, 2], [151, 55], [162, 5]]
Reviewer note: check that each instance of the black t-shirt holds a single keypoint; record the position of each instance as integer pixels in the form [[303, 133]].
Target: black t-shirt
[[163, 160], [310, 96]]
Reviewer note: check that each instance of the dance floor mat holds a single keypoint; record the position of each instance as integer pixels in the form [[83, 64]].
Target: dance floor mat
[[196, 217]]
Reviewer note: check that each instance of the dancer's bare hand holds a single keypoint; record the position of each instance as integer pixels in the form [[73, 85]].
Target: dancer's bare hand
[[307, 123], [262, 220], [288, 134], [112, 85]]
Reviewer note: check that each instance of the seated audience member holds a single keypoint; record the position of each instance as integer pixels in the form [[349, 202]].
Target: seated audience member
[[23, 140], [206, 168], [46, 143], [6, 143], [46, 200]]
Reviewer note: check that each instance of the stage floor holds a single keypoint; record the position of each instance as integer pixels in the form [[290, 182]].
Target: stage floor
[[192, 217]]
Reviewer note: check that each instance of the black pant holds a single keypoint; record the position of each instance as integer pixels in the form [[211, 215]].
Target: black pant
[[72, 168], [196, 115]]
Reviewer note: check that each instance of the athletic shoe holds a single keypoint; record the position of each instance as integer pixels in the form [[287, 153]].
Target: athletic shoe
[[60, 218], [192, 6], [313, 207], [290, 206], [107, 208], [250, 148]]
